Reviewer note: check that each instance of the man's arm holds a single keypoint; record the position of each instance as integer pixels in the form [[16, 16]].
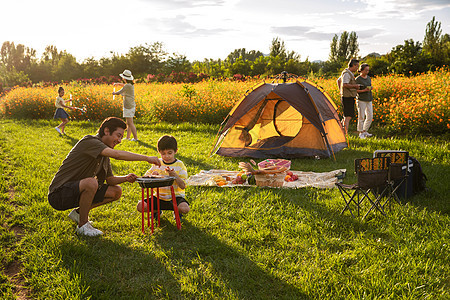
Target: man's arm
[[129, 156], [346, 82], [115, 180], [351, 86]]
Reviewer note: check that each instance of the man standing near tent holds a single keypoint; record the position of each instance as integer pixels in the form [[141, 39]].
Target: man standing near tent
[[348, 87]]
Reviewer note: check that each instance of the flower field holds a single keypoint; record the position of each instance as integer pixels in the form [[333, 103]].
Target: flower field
[[418, 104]]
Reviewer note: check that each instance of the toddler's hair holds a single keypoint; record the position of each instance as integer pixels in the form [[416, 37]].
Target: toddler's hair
[[167, 142], [60, 89]]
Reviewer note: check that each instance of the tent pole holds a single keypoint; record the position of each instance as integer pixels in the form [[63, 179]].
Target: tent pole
[[324, 134], [217, 136]]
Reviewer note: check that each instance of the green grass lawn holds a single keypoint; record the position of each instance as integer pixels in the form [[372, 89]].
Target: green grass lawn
[[242, 243]]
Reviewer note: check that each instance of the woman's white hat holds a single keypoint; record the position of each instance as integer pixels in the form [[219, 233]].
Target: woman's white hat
[[127, 75]]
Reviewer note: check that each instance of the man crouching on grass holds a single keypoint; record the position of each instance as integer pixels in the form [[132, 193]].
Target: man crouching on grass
[[79, 182]]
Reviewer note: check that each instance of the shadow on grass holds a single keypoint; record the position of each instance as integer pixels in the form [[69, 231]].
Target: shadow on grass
[[169, 128], [435, 197], [198, 250], [110, 270], [70, 140]]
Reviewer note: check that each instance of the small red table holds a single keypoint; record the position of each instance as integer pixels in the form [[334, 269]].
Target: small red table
[[151, 183]]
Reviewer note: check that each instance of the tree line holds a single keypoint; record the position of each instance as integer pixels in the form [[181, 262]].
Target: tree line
[[19, 65]]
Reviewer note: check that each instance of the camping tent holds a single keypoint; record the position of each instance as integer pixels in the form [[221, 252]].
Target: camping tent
[[284, 120]]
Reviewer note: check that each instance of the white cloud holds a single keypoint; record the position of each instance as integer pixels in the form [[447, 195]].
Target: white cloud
[[181, 4], [402, 9]]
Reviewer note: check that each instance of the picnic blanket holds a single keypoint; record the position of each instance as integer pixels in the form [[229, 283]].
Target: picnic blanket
[[324, 180]]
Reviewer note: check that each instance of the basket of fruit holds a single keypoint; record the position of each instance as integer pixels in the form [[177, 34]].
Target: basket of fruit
[[270, 172], [272, 180]]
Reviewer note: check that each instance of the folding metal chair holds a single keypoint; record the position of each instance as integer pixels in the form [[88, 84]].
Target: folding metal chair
[[372, 184], [398, 172]]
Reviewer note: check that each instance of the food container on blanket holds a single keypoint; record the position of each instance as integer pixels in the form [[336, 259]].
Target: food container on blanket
[[274, 164], [271, 180], [155, 181]]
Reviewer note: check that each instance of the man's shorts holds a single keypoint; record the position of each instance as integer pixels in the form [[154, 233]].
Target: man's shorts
[[166, 205], [68, 195], [348, 105], [129, 113]]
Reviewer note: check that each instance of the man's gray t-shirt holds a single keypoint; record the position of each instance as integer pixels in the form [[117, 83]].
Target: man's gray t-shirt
[[83, 161]]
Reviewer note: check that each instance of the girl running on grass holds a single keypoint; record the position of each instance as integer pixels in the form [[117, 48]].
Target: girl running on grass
[[60, 113]]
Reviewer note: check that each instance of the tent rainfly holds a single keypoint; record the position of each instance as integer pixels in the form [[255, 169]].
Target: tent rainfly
[[282, 120]]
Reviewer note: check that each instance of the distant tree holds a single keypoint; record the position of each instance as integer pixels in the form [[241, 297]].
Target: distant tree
[[259, 66], [51, 55], [353, 46], [434, 44], [12, 77], [432, 41], [379, 65], [16, 57], [67, 68], [407, 59], [91, 68], [177, 63], [276, 65], [445, 40], [147, 59], [115, 64], [344, 47], [334, 49], [251, 55], [278, 49], [233, 56], [214, 68], [240, 66]]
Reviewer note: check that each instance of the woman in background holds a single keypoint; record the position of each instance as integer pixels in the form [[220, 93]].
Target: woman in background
[[129, 105], [364, 101]]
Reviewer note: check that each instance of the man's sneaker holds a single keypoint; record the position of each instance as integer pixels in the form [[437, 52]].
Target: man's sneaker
[[362, 135], [88, 230], [57, 129], [74, 216]]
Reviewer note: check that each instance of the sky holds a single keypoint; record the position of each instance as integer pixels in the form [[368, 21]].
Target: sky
[[211, 29]]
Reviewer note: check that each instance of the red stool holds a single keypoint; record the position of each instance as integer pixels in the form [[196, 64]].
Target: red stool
[[151, 183]]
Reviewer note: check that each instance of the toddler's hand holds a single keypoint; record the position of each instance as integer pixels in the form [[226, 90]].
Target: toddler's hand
[[170, 171]]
